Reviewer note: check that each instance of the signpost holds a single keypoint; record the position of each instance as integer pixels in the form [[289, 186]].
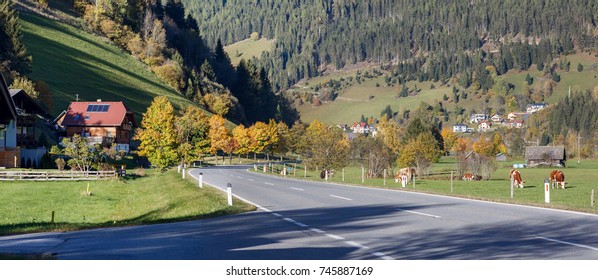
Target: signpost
[[201, 180], [229, 191]]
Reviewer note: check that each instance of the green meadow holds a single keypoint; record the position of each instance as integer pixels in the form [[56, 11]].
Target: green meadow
[[248, 49], [153, 198]]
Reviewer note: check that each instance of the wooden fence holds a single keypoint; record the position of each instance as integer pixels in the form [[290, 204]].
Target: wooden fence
[[55, 176]]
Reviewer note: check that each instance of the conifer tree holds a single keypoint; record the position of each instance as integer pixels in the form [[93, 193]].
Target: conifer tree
[[13, 54]]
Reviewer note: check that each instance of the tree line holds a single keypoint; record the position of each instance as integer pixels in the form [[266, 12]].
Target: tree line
[[167, 138], [312, 34]]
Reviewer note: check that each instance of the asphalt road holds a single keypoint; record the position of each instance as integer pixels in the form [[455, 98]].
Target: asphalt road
[[319, 220]]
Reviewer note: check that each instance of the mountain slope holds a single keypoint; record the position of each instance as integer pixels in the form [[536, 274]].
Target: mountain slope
[[74, 62]]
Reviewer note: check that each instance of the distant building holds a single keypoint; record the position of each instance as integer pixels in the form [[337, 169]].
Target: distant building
[[476, 118], [535, 107], [101, 122], [545, 156], [459, 128], [360, 127], [496, 119], [484, 126]]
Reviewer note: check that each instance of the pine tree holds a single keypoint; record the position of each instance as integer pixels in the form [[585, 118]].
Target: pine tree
[[13, 54]]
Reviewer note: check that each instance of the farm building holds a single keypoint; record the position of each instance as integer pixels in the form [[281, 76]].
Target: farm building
[[9, 152], [545, 156]]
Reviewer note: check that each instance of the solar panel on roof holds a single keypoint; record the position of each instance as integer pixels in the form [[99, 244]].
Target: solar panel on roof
[[105, 108], [89, 108], [98, 108]]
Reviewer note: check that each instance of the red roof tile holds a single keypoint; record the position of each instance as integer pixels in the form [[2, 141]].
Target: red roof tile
[[78, 115]]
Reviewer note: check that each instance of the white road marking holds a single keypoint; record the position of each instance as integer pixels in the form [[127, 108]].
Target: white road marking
[[567, 243], [355, 244], [335, 236], [268, 183], [316, 230], [239, 177], [382, 255], [420, 213], [297, 189], [251, 180], [276, 214], [341, 197]]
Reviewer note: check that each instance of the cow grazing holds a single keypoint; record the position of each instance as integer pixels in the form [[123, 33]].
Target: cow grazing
[[407, 171], [471, 177], [516, 178], [557, 178]]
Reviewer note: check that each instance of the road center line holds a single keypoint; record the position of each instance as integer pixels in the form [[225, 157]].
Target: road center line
[[355, 244], [420, 213], [251, 180], [239, 177], [340, 197], [268, 183], [297, 189], [567, 243], [316, 230], [382, 255], [335, 236]]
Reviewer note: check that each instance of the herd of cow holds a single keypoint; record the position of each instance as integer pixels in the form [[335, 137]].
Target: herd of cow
[[557, 178]]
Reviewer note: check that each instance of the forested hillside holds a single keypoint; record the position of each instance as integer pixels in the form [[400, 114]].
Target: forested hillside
[[311, 34]]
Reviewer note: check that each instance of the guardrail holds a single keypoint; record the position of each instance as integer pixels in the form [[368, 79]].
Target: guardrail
[[56, 176]]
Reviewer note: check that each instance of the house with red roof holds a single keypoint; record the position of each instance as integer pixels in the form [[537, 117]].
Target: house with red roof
[[101, 122]]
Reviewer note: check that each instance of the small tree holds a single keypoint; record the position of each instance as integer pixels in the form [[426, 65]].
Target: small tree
[[82, 155]]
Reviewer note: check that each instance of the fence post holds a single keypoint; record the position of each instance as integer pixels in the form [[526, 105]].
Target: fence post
[[512, 186], [284, 172], [414, 175], [305, 171], [385, 176], [294, 169], [362, 175], [546, 191], [592, 199], [451, 181], [183, 173], [343, 174], [229, 191], [201, 180], [52, 217]]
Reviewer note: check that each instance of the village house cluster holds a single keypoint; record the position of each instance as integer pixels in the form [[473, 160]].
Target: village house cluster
[[485, 122]]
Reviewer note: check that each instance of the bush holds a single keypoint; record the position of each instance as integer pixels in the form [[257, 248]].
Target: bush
[[171, 73], [60, 163]]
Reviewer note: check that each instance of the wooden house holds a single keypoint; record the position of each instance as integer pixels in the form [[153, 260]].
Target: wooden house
[[9, 151], [545, 156], [101, 122]]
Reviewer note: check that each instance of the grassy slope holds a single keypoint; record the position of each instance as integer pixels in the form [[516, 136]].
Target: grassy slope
[[27, 206], [248, 49], [353, 101], [73, 62]]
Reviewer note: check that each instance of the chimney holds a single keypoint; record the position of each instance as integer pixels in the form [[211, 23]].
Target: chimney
[[99, 100]]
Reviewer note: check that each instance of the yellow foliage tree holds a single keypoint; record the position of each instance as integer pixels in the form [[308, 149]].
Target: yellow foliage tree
[[193, 133], [158, 134], [450, 139], [326, 147], [241, 135], [391, 134], [420, 152], [219, 135]]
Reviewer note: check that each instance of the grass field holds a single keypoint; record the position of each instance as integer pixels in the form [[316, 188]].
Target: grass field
[[354, 101], [577, 195], [248, 49], [73, 62], [154, 198]]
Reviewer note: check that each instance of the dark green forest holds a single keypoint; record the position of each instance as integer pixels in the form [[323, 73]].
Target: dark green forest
[[449, 34]]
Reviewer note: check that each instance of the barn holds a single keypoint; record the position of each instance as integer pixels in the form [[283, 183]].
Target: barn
[[545, 156]]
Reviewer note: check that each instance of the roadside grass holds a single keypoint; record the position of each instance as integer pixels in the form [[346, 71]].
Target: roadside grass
[[248, 49], [155, 198], [71, 61], [576, 197]]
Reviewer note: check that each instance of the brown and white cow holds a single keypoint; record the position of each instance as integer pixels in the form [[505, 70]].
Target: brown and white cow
[[468, 177], [516, 177], [407, 171], [557, 178]]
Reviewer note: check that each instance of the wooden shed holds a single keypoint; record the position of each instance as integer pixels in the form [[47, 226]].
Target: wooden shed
[[545, 156]]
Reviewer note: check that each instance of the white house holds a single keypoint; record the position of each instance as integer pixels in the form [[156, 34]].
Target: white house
[[496, 118], [484, 126], [360, 127], [459, 128], [476, 118], [535, 107]]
